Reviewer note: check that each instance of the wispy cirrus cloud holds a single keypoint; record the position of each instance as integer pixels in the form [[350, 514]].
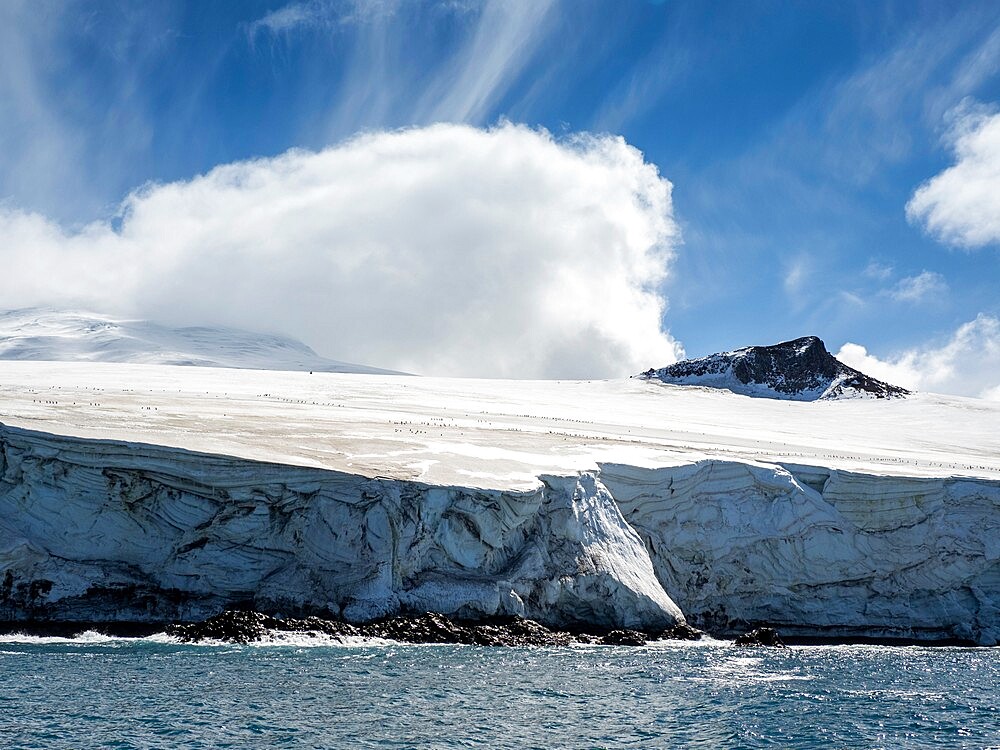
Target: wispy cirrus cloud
[[77, 116], [502, 45], [878, 270], [798, 272], [644, 85], [287, 18], [925, 285], [463, 79], [319, 14]]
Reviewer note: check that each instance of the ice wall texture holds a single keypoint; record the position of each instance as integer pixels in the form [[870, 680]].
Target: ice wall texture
[[821, 552], [102, 530]]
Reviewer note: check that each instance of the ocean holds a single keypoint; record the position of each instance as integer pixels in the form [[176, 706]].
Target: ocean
[[94, 691]]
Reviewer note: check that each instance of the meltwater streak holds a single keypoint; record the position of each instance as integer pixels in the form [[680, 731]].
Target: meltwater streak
[[99, 691]]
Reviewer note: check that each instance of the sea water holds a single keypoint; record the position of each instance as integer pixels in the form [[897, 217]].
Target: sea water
[[94, 691]]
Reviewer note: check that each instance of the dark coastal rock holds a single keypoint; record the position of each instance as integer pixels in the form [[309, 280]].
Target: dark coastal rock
[[245, 627], [317, 626], [624, 638], [800, 369], [518, 632], [232, 625], [681, 632], [760, 637], [426, 628]]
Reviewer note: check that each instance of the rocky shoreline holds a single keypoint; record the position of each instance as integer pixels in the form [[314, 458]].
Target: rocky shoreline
[[248, 626]]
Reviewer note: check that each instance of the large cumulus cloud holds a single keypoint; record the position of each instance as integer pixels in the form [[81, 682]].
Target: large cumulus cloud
[[446, 250]]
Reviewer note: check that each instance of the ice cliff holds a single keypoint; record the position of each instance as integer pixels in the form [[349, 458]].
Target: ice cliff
[[101, 529], [820, 552]]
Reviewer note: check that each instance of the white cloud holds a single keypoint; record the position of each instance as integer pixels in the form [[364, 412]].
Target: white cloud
[[285, 19], [507, 34], [880, 271], [918, 288], [961, 205], [491, 46], [967, 364], [447, 250], [797, 276], [319, 14], [851, 298]]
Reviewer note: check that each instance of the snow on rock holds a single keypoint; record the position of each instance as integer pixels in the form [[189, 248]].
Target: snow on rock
[[800, 370], [102, 530], [61, 335]]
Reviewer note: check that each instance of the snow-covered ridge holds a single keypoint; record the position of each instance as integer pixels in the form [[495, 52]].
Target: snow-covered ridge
[[800, 370], [67, 336]]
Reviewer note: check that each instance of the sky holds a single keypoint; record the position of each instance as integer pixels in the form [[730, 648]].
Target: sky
[[516, 188]]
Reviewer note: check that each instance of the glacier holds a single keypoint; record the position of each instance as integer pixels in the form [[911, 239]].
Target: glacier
[[52, 334], [96, 530], [155, 493]]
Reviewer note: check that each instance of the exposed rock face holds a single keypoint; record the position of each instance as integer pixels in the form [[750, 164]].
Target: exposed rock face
[[235, 626], [624, 638], [801, 370], [100, 530], [760, 637], [681, 632]]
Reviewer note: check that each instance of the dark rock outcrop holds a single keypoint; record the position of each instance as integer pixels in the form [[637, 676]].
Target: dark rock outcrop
[[246, 627], [624, 638], [760, 637], [801, 369], [681, 632], [232, 625]]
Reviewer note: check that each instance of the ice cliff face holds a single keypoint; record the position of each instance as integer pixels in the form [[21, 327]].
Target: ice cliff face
[[800, 370], [104, 530], [819, 552], [101, 530]]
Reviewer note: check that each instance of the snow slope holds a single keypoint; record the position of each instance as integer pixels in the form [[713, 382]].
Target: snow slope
[[609, 502], [61, 335]]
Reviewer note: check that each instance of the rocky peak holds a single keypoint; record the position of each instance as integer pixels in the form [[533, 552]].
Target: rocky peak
[[801, 370]]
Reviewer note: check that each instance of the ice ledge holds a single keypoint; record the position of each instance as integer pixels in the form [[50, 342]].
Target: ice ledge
[[106, 530]]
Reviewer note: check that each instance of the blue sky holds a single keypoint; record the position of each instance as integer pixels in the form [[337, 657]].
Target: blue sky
[[794, 135]]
